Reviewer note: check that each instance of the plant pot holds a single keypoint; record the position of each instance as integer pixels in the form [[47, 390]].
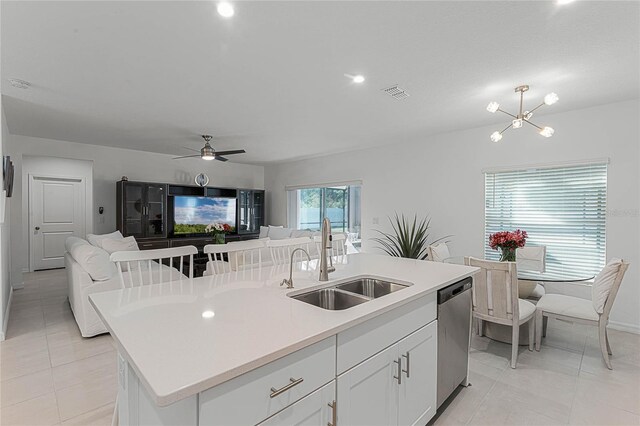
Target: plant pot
[[507, 254], [219, 238]]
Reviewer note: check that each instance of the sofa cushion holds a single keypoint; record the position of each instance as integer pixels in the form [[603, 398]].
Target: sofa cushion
[[72, 241], [276, 233], [94, 260], [602, 284], [96, 240], [125, 244], [264, 232]]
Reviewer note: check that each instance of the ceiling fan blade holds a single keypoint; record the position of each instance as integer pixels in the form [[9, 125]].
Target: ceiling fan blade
[[186, 156], [221, 158], [191, 149], [236, 151]]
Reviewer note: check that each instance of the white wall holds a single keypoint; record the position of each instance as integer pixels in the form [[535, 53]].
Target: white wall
[[441, 176], [109, 165], [5, 255]]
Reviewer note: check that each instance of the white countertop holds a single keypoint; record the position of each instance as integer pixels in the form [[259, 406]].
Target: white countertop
[[176, 352]]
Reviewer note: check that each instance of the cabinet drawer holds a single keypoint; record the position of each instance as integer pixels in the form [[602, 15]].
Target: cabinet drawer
[[312, 410], [249, 399], [362, 341], [152, 245]]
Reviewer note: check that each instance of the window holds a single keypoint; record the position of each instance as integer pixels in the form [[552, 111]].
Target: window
[[341, 204], [562, 208]]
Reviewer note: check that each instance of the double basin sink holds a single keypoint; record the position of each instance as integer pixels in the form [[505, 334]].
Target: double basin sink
[[348, 294]]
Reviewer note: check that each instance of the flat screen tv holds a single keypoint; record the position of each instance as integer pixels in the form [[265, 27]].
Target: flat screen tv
[[191, 215]]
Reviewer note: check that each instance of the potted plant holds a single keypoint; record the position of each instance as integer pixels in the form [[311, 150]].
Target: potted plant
[[409, 238], [218, 231], [508, 242]]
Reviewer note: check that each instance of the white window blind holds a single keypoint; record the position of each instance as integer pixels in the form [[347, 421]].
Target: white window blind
[[563, 208]]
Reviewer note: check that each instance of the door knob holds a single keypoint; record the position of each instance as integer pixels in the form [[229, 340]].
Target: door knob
[[37, 228]]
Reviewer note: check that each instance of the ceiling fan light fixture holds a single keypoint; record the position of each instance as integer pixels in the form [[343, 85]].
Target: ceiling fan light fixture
[[208, 157]]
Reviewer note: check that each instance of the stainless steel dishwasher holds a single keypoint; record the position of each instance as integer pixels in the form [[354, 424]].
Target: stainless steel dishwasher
[[454, 328]]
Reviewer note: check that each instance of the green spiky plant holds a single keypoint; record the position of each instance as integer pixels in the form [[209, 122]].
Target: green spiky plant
[[409, 238]]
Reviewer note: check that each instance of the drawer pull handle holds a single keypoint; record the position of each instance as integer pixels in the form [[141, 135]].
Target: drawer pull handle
[[407, 357], [399, 376], [334, 413], [293, 382]]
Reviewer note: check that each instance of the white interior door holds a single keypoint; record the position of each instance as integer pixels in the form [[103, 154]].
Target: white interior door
[[56, 211]]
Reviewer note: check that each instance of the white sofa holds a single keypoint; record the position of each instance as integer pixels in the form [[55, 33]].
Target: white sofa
[[93, 273]]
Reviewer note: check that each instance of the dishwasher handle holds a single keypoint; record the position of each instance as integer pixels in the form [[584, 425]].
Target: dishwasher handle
[[454, 290]]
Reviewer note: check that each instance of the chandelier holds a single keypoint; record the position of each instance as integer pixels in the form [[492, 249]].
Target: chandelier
[[523, 116]]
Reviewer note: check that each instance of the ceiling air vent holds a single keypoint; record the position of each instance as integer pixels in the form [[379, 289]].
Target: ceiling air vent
[[396, 92]]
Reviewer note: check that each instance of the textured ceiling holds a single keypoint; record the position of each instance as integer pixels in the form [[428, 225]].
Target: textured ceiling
[[154, 75]]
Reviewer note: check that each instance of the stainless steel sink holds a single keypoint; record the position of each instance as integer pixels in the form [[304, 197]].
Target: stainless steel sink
[[331, 299], [370, 287]]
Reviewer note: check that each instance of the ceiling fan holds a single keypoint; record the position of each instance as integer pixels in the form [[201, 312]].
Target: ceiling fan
[[208, 153]]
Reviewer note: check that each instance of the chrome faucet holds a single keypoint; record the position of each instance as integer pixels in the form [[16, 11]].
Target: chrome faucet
[[289, 282], [326, 244]]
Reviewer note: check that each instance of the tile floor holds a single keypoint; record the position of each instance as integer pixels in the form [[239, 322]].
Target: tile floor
[[50, 375]]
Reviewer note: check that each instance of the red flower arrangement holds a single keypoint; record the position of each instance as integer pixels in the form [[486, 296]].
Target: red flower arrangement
[[508, 242]]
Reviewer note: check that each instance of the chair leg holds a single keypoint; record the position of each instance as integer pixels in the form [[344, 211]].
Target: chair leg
[[539, 327], [606, 334], [602, 334], [515, 341], [532, 329], [545, 320]]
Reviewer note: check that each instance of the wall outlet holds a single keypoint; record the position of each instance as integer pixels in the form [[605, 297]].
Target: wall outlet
[[376, 221]]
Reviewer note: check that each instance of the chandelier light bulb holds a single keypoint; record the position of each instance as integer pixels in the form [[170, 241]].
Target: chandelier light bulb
[[496, 136], [493, 106], [225, 9], [528, 115], [547, 132], [517, 123], [551, 98]]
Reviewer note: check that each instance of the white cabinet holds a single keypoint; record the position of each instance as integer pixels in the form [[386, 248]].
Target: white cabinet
[[396, 386], [317, 409]]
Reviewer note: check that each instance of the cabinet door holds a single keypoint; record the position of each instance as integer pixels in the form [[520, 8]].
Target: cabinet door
[[244, 211], [156, 210], [257, 211], [418, 352], [368, 393], [133, 209], [315, 409]]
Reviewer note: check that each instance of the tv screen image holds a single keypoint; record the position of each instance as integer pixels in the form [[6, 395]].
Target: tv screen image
[[192, 214]]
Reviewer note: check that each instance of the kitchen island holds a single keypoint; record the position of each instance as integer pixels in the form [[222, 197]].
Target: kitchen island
[[238, 349]]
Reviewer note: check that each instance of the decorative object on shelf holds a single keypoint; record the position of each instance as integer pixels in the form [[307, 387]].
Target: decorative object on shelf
[[523, 116], [508, 242], [7, 175], [409, 238], [124, 179], [202, 180], [218, 231], [208, 153]]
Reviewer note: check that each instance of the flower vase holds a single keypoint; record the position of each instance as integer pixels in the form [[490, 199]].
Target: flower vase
[[219, 238], [507, 254]]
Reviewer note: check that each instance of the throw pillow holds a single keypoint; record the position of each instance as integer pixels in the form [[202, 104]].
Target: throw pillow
[[276, 233], [602, 284], [96, 240], [264, 232], [124, 244], [94, 260]]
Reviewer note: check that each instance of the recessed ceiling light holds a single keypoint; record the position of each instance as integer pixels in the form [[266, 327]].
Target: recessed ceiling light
[[20, 84], [225, 9], [208, 314], [563, 2], [358, 79]]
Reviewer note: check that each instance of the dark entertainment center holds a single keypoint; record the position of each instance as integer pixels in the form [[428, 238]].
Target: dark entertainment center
[[147, 211]]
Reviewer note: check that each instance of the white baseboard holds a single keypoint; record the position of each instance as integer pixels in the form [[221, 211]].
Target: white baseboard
[[5, 320], [623, 326]]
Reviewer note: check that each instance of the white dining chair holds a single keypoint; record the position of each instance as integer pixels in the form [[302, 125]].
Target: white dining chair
[[583, 311], [146, 267], [439, 252], [495, 299], [281, 250], [532, 259], [338, 244], [233, 256]]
